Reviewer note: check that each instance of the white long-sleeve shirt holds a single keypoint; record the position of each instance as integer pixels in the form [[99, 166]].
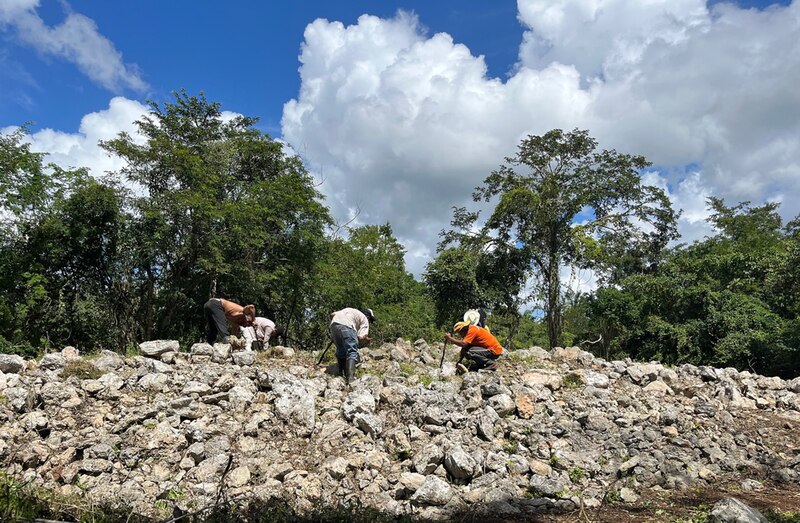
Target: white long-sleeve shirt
[[261, 330], [354, 319]]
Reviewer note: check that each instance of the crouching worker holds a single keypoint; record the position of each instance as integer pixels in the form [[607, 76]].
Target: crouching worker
[[350, 330], [260, 333], [217, 311], [477, 345]]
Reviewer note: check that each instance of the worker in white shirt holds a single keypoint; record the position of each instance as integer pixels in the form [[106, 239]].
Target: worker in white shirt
[[261, 332], [350, 330]]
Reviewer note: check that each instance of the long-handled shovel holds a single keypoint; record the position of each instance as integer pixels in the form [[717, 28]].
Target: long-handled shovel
[[444, 348], [325, 352]]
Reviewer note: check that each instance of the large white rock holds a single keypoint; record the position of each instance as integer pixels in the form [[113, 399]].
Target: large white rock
[[731, 510], [52, 361], [358, 402], [458, 463], [296, 406], [155, 348], [434, 491]]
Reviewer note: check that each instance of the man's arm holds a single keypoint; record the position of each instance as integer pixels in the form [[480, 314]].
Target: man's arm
[[455, 341]]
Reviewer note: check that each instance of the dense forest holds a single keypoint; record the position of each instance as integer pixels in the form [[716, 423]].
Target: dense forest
[[207, 206]]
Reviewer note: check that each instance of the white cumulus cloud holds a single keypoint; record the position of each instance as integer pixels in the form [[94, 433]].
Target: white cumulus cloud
[[403, 125], [76, 39], [81, 149]]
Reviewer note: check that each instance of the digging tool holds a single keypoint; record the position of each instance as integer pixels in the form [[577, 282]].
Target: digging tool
[[325, 352], [444, 348]]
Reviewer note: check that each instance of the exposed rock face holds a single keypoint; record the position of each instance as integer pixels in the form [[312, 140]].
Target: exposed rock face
[[545, 432]]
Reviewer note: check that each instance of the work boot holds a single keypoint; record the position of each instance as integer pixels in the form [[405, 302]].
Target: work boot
[[350, 370], [340, 362]]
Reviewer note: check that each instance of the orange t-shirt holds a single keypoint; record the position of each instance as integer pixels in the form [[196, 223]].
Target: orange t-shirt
[[480, 337]]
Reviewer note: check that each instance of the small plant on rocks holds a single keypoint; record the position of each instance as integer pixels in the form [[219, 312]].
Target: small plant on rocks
[[81, 369], [576, 474], [572, 381]]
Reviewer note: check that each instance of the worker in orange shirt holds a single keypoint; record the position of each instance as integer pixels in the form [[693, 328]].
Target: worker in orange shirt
[[477, 345]]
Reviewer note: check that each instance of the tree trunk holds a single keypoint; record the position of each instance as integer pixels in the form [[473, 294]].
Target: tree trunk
[[514, 327], [554, 320]]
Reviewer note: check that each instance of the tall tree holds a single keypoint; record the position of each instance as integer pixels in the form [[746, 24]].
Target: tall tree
[[564, 204], [225, 212]]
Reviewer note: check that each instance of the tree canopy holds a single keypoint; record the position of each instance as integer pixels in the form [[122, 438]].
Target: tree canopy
[[208, 205], [561, 204]]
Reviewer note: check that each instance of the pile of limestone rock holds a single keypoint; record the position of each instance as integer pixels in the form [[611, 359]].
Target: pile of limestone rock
[[548, 431]]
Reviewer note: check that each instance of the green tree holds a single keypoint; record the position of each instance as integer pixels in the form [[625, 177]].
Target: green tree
[[453, 283], [32, 200], [727, 300], [225, 212], [561, 203], [27, 184]]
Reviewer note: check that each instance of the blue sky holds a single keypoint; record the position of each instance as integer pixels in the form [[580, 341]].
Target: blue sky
[[242, 54], [401, 108]]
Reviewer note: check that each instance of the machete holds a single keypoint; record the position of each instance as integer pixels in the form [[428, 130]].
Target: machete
[[444, 347]]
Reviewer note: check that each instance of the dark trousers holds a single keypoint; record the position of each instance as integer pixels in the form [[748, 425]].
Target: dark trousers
[[217, 325], [346, 340], [480, 357]]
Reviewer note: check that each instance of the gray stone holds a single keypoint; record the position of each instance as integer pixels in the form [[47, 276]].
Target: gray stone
[[502, 404], [493, 388], [11, 363], [541, 377], [221, 352], [458, 463], [596, 379], [335, 466], [658, 388], [427, 459], [154, 349], [369, 423], [358, 402], [35, 420], [545, 486], [19, 398], [109, 361], [95, 466], [296, 406], [239, 394], [244, 358], [628, 495], [153, 382], [731, 510], [56, 393], [52, 361], [238, 477], [111, 381], [202, 349], [434, 491], [196, 451], [100, 451], [196, 387], [643, 373], [572, 354]]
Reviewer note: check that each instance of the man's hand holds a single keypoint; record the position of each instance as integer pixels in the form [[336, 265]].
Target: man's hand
[[364, 341]]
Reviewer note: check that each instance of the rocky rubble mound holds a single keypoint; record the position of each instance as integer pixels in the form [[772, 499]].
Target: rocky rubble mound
[[171, 431]]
